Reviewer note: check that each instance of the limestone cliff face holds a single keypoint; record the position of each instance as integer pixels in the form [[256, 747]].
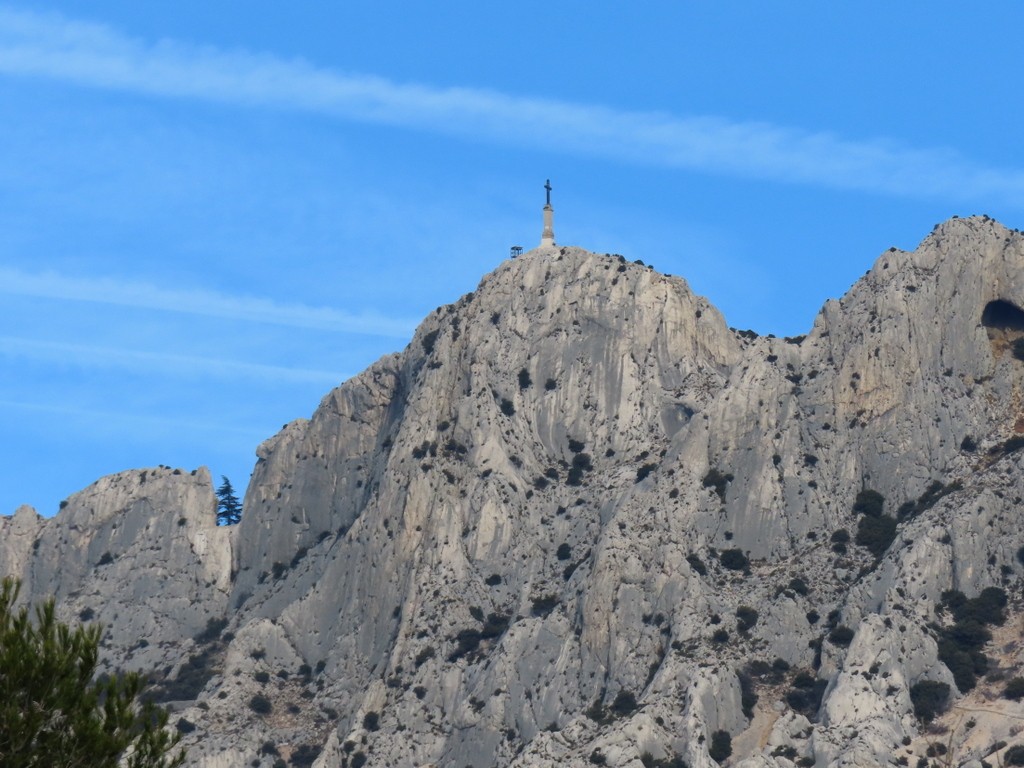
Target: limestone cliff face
[[139, 552], [535, 537]]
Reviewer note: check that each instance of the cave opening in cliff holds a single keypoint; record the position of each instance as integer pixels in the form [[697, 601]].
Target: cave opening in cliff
[[1003, 315]]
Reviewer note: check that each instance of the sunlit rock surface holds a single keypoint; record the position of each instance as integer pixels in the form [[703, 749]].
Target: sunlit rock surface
[[580, 521]]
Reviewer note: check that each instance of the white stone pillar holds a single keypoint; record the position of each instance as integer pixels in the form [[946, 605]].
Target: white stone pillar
[[547, 237]]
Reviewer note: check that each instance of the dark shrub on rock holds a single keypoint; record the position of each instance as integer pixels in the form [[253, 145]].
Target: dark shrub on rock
[[1014, 689], [697, 564], [806, 693], [721, 746], [930, 698], [718, 480], [869, 503], [841, 636], [746, 618], [876, 533], [261, 705], [623, 704], [733, 559], [1014, 755]]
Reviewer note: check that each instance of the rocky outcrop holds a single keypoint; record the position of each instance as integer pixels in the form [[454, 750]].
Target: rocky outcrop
[[139, 552], [581, 521]]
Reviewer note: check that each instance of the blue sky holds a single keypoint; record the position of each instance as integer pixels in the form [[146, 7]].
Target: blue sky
[[213, 213]]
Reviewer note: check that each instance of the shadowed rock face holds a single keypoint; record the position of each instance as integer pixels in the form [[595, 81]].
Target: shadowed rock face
[[525, 540], [1003, 315]]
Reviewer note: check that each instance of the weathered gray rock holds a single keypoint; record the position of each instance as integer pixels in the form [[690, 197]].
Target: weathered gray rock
[[510, 543], [139, 552]]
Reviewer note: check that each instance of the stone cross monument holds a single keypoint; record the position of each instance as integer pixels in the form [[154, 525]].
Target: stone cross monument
[[547, 237]]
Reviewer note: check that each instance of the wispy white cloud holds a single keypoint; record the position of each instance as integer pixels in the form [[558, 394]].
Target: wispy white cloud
[[94, 55], [128, 293], [150, 363], [132, 420]]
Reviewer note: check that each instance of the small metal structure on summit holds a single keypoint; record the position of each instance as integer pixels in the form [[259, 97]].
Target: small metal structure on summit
[[515, 250], [547, 236]]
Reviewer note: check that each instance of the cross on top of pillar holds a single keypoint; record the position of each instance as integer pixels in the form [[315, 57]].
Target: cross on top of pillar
[[547, 237]]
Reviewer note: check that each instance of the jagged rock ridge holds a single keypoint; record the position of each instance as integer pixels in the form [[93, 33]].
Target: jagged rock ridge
[[580, 521]]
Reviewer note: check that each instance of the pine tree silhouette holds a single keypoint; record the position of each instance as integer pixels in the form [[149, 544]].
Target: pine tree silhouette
[[229, 508]]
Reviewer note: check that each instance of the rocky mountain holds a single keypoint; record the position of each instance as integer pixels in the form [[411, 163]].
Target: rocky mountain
[[581, 521]]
